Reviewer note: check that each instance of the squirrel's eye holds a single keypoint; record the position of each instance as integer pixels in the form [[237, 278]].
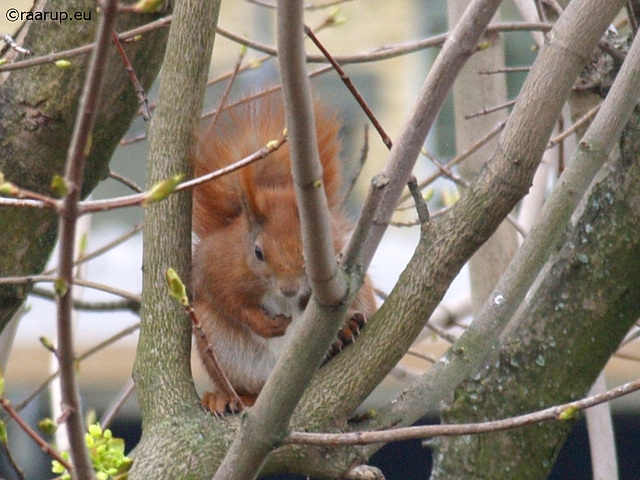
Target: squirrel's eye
[[258, 252]]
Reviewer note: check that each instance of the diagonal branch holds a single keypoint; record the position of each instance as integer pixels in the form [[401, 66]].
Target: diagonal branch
[[460, 45], [478, 339]]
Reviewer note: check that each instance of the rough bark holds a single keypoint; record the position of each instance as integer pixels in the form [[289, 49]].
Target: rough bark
[[473, 93], [573, 323], [38, 106], [179, 439]]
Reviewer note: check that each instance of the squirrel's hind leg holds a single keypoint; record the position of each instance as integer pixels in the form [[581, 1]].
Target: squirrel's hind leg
[[220, 403]]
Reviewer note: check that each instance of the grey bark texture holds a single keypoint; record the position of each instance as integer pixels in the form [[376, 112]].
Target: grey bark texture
[[38, 106]]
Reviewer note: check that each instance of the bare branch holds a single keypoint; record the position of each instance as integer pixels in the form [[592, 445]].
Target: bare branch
[[44, 446], [562, 412], [499, 308], [460, 45], [390, 51], [67, 230], [264, 423], [66, 54]]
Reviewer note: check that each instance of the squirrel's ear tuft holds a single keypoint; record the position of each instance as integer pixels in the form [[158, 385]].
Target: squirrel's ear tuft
[[249, 196]]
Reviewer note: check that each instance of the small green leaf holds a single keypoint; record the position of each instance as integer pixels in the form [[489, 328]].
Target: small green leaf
[[90, 417], [47, 426], [336, 17], [62, 64], [428, 194], [48, 344], [176, 287], [59, 186], [148, 6], [60, 287], [4, 438], [125, 465], [82, 244], [568, 413], [1, 384], [7, 188], [57, 467], [163, 189], [255, 63], [450, 196], [95, 430]]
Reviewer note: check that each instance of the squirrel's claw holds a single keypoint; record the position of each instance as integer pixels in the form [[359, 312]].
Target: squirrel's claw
[[347, 334]]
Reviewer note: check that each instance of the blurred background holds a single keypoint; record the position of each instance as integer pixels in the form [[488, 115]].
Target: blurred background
[[390, 87]]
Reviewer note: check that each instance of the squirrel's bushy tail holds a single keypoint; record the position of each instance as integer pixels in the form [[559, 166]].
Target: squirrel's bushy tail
[[241, 131]]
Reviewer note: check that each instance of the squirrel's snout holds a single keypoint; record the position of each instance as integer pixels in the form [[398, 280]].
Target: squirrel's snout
[[292, 287], [289, 288]]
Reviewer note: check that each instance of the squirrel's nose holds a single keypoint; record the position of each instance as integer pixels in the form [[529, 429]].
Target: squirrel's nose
[[290, 287]]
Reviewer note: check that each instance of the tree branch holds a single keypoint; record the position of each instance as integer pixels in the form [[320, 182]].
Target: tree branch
[[267, 421], [85, 120], [562, 412], [448, 243]]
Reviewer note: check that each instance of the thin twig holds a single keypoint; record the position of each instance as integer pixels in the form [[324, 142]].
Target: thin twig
[[504, 70], [8, 39], [447, 337], [381, 53], [125, 181], [69, 214], [562, 412], [446, 171], [421, 205], [364, 152], [83, 50], [389, 51], [143, 101], [631, 16], [31, 279], [116, 406], [422, 356], [16, 192], [486, 111], [104, 249], [12, 462], [44, 446], [129, 305], [109, 341], [93, 206], [227, 90], [578, 124], [463, 156], [351, 87], [223, 383]]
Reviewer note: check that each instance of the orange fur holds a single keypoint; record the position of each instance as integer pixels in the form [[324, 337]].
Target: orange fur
[[248, 275]]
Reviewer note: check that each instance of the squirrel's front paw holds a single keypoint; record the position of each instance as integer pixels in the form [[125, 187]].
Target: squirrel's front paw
[[220, 403], [273, 326]]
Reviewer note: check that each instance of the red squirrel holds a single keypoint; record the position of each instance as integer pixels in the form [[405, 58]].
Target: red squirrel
[[249, 282]]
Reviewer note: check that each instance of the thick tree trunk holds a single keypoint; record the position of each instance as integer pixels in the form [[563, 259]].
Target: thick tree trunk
[[554, 351], [37, 112]]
